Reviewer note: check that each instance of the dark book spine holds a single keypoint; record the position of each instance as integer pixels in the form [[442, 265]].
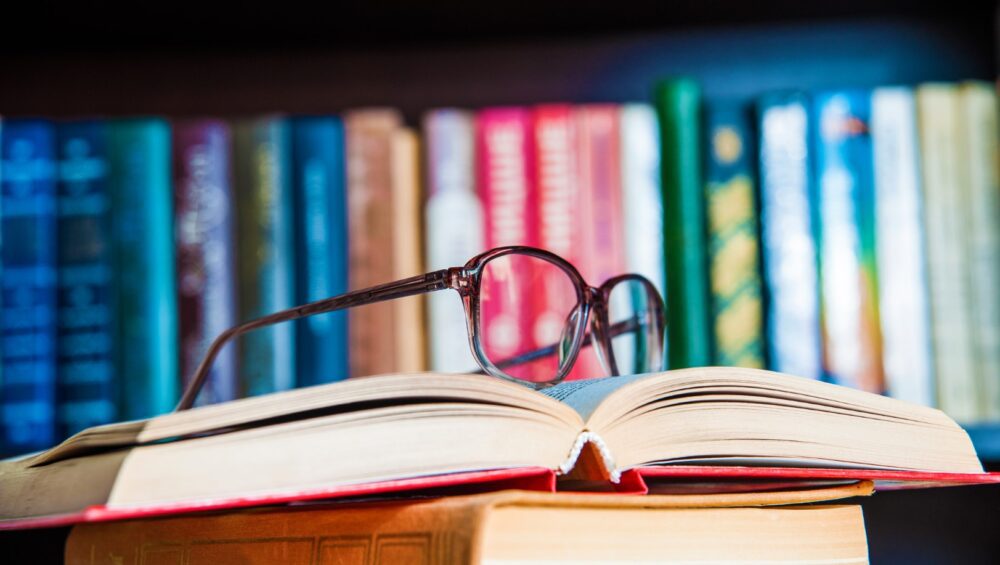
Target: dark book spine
[[733, 239], [266, 260], [318, 179], [142, 227], [206, 255], [28, 283], [679, 106], [85, 318]]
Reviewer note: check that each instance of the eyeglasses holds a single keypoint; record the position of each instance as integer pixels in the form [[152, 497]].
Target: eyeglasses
[[529, 313]]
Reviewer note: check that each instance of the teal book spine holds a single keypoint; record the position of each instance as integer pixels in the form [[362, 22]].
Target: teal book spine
[[86, 340], [733, 237], [678, 104], [321, 246], [142, 225], [845, 201], [265, 255], [28, 286]]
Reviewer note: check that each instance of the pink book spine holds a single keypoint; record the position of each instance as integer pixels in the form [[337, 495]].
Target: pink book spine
[[599, 232], [507, 191]]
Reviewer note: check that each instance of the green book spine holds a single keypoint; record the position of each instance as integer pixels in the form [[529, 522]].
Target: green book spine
[[141, 200], [266, 256], [678, 104]]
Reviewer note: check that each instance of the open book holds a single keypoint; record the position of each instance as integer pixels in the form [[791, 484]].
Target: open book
[[704, 429]]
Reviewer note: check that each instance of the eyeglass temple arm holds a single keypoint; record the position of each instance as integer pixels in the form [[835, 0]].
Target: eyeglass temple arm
[[616, 329], [429, 282]]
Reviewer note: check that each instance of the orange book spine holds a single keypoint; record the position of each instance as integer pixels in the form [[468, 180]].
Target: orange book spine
[[410, 324]]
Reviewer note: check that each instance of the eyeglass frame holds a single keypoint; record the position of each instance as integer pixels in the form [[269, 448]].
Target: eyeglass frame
[[466, 280]]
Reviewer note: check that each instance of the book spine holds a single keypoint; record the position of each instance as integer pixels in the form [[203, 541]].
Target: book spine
[[845, 199], [902, 279], [266, 256], [369, 196], [407, 235], [642, 202], [678, 103], [978, 129], [733, 238], [28, 284], [787, 238], [598, 234], [319, 180], [85, 317], [453, 219], [507, 189], [946, 225], [206, 252], [557, 192], [142, 226]]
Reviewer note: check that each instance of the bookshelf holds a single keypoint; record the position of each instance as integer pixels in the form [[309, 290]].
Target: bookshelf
[[185, 58]]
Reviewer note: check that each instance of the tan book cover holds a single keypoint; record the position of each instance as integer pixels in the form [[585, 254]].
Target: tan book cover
[[502, 527], [369, 134], [407, 236]]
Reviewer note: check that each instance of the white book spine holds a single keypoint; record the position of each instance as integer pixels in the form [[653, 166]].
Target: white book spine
[[642, 202], [945, 195], [903, 298], [453, 230], [978, 107]]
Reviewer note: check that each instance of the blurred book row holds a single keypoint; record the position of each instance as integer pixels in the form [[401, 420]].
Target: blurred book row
[[851, 236]]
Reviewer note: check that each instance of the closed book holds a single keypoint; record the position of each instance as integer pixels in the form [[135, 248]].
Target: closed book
[[369, 134], [204, 215], [946, 224], [86, 316], [504, 166], [845, 202], [787, 236], [904, 303], [733, 237], [978, 154], [453, 228], [642, 201], [409, 329], [598, 232], [504, 527], [266, 256], [686, 432], [678, 104], [28, 208], [320, 199], [143, 230]]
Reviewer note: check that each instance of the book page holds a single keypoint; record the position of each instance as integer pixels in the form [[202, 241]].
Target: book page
[[586, 395]]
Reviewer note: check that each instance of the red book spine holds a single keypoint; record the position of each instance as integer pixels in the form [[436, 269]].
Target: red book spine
[[556, 177], [599, 233], [507, 191]]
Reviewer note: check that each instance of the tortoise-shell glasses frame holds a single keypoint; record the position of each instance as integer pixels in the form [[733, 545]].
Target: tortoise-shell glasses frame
[[591, 308]]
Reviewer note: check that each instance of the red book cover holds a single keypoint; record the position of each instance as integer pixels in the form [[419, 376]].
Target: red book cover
[[507, 190], [598, 237]]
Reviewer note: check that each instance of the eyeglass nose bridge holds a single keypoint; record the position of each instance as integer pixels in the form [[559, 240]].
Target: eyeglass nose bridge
[[599, 328]]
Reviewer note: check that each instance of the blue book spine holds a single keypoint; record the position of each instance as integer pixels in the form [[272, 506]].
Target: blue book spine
[[787, 237], [142, 226], [85, 371], [28, 284], [321, 246], [266, 255], [845, 200]]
